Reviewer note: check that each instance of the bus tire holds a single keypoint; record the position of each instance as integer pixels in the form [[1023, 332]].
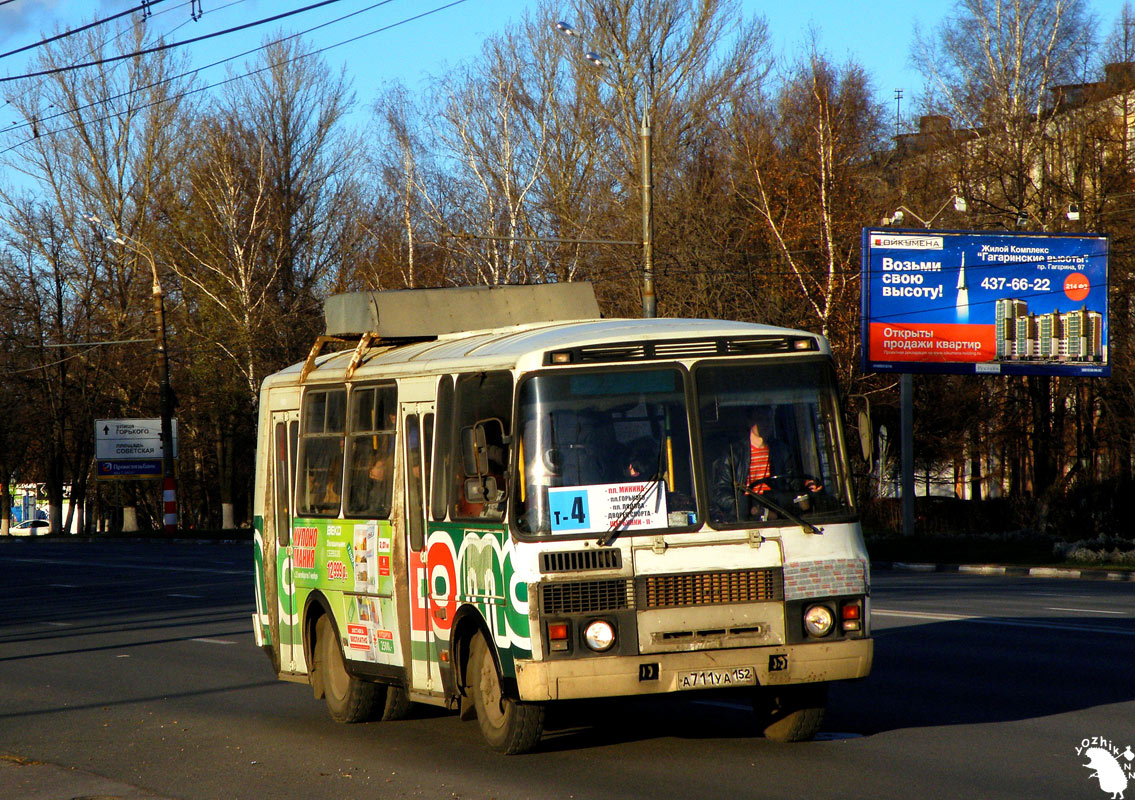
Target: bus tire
[[791, 713], [348, 698], [508, 726], [396, 704]]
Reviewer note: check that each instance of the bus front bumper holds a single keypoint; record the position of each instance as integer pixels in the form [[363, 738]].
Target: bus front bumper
[[541, 681]]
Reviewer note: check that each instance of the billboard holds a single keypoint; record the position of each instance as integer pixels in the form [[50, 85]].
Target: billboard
[[997, 303]]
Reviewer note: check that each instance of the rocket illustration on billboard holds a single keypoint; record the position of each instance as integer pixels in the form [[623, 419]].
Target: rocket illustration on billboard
[[963, 292]]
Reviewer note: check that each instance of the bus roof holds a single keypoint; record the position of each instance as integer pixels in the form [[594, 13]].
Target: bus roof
[[530, 346]]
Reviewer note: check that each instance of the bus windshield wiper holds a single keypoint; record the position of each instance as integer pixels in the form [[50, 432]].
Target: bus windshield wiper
[[784, 512], [655, 481]]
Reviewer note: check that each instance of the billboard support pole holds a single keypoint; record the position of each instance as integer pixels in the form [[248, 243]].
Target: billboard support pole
[[906, 388]]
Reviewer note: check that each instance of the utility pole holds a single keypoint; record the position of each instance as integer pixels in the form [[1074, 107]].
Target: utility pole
[[169, 476], [646, 158], [169, 473], [648, 299]]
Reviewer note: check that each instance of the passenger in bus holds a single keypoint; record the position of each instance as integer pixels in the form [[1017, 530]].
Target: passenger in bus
[[324, 484], [755, 462], [370, 492]]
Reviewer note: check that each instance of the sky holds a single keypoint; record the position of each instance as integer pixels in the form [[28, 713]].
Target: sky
[[393, 47]]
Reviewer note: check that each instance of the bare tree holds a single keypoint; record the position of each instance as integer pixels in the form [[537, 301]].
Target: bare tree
[[103, 149], [804, 169], [294, 106]]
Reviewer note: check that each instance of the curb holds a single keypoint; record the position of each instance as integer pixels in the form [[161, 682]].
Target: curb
[[37, 780], [1017, 572]]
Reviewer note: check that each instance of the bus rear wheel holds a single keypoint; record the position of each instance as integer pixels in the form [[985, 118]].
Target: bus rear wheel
[[791, 713], [396, 703], [509, 726], [348, 698]]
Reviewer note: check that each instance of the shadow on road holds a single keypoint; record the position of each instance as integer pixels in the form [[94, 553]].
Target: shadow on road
[[979, 671]]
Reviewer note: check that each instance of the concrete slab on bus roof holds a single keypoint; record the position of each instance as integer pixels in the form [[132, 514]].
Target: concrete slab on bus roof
[[416, 313]]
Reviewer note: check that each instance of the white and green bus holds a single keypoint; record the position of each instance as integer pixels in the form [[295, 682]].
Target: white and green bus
[[491, 499]]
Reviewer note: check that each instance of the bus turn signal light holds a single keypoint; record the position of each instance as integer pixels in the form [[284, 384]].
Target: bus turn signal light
[[558, 635], [851, 615]]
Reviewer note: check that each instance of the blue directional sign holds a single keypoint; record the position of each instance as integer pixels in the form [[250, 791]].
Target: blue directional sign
[[130, 469]]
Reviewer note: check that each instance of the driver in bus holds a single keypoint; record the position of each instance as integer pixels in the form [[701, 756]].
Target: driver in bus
[[757, 462]]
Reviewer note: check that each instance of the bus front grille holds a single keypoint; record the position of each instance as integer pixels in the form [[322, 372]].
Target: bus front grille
[[576, 560], [586, 597], [710, 588]]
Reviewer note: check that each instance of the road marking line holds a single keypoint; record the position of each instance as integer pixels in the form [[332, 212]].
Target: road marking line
[[194, 596], [212, 641], [1011, 623], [119, 566], [62, 586], [1086, 610], [61, 624]]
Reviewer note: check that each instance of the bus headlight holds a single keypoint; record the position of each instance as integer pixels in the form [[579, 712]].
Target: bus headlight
[[599, 635], [818, 620]]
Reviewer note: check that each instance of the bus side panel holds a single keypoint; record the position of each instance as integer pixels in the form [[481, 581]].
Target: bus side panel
[[349, 562], [471, 563]]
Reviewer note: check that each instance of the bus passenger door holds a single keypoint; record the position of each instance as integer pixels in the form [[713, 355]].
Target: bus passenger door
[[417, 441], [278, 578]]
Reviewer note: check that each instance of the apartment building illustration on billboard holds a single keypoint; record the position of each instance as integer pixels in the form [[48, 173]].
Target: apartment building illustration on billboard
[[1055, 336]]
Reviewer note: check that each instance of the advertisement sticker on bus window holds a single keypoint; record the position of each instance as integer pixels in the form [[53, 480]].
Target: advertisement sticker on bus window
[[359, 637], [384, 642], [606, 506]]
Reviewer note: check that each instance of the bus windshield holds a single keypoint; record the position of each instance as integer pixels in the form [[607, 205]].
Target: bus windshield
[[771, 443], [604, 451]]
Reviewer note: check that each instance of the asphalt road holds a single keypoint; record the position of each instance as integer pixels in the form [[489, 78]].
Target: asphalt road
[[134, 663]]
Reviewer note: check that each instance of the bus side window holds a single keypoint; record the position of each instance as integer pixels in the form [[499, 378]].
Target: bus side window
[[414, 520], [283, 509], [370, 447], [320, 485], [443, 455], [483, 423], [427, 452]]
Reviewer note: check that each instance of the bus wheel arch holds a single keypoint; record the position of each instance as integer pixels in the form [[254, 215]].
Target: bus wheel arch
[[316, 607], [467, 623], [508, 725]]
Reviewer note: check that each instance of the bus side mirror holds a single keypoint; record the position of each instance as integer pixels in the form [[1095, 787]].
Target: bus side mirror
[[474, 450], [483, 490]]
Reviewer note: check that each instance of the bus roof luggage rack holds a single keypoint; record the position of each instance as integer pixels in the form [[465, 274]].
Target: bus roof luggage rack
[[426, 313]]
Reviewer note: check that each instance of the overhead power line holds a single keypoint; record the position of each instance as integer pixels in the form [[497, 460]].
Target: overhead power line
[[38, 120], [169, 45], [80, 29], [103, 101], [249, 73]]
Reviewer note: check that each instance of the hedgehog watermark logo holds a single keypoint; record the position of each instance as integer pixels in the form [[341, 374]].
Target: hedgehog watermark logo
[[1111, 766]]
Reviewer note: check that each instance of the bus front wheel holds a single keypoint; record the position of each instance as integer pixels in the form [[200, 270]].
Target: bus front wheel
[[509, 726], [791, 713], [348, 698]]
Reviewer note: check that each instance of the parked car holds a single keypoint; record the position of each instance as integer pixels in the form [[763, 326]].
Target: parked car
[[31, 527]]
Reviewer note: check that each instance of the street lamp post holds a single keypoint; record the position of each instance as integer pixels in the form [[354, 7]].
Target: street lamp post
[[906, 383], [169, 475], [649, 306]]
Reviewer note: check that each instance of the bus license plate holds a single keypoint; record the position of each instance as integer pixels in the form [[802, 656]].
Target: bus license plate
[[717, 678]]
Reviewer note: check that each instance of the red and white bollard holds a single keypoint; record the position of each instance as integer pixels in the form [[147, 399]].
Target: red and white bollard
[[169, 504]]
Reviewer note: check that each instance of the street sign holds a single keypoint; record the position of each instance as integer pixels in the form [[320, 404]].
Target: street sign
[[130, 448], [130, 469]]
